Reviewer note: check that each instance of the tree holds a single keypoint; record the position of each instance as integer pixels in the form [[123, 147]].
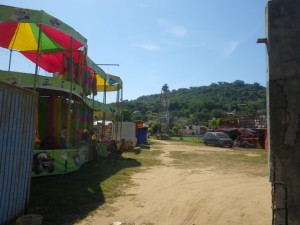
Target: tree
[[218, 113], [127, 115], [239, 83], [215, 123], [154, 126], [137, 115], [175, 129], [200, 104]]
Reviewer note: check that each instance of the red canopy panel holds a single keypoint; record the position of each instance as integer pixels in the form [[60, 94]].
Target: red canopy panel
[[7, 29], [56, 62]]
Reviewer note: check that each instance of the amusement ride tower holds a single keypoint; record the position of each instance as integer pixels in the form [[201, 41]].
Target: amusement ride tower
[[164, 108]]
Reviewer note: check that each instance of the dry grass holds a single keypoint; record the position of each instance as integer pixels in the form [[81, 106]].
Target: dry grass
[[251, 162]]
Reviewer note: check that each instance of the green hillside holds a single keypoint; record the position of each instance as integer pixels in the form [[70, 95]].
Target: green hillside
[[198, 105]]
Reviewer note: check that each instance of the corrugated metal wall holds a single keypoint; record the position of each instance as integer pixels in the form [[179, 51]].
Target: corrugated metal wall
[[17, 126]]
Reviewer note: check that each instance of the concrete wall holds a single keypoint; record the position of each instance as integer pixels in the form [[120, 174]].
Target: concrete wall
[[283, 93]]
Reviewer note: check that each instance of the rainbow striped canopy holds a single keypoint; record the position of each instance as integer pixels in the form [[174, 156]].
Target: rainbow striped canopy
[[104, 81], [33, 32]]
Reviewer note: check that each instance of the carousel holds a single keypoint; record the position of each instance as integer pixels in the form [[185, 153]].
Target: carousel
[[66, 81]]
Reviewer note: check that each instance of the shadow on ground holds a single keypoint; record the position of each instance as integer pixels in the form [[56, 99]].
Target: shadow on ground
[[71, 197]]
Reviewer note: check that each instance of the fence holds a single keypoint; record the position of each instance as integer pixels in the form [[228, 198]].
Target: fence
[[17, 126]]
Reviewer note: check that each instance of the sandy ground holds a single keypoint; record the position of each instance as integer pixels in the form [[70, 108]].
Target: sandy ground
[[170, 195]]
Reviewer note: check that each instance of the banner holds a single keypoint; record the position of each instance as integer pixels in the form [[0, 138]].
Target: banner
[[60, 161]]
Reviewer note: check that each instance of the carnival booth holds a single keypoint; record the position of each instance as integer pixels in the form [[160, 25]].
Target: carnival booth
[[66, 91], [126, 131], [34, 43]]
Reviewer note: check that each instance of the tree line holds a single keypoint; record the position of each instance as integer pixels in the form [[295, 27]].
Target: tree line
[[199, 105]]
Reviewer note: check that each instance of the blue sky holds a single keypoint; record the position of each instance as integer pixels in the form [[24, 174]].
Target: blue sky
[[182, 43]]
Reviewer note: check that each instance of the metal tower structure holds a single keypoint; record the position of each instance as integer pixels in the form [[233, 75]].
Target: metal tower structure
[[164, 108]]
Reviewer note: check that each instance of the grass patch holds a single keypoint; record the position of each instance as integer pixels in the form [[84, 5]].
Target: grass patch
[[190, 139], [68, 198], [148, 158], [252, 162]]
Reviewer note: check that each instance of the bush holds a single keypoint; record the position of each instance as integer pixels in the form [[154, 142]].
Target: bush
[[163, 136]]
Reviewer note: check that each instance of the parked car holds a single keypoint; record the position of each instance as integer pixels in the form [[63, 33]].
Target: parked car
[[218, 139]]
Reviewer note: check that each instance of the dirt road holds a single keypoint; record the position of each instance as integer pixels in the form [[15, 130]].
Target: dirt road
[[171, 194]]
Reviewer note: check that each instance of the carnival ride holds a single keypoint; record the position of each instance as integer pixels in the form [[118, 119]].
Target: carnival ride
[[67, 93], [164, 108]]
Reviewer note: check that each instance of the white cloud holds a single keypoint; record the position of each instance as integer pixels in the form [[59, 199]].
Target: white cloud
[[230, 48], [178, 31], [149, 46]]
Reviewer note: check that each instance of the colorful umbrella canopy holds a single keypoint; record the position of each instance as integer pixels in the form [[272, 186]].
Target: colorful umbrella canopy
[[17, 23], [31, 32], [104, 81], [53, 45], [115, 83]]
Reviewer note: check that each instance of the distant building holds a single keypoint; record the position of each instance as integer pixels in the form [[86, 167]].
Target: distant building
[[193, 130]]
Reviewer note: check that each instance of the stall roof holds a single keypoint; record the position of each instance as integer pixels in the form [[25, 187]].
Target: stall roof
[[112, 82], [32, 31], [20, 20]]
